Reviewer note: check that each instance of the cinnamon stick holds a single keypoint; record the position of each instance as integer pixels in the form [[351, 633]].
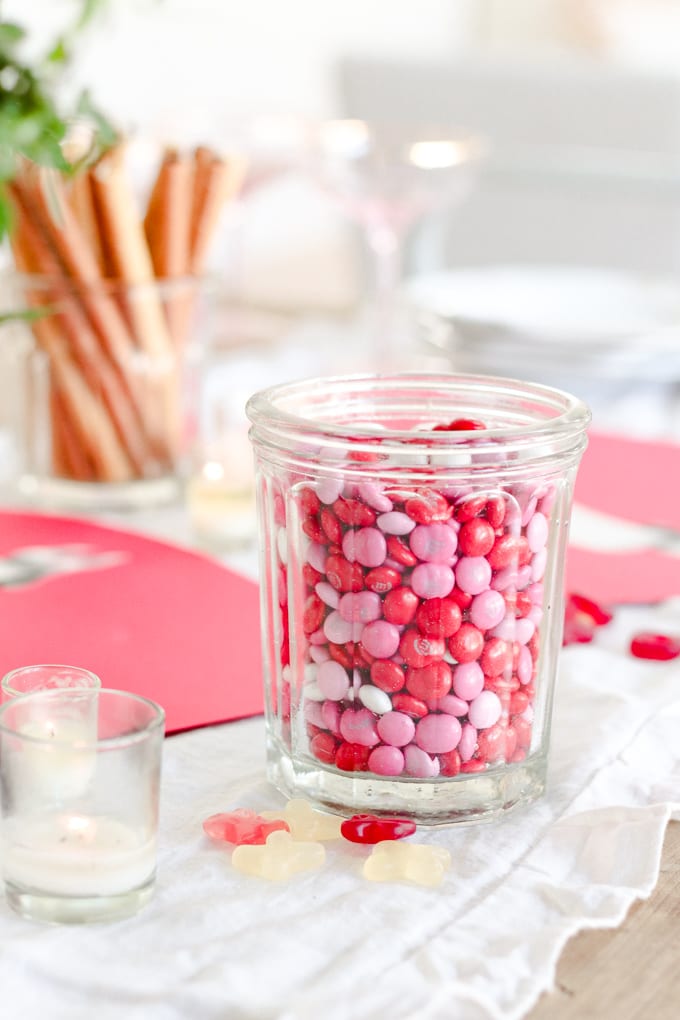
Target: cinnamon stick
[[216, 181], [91, 424], [167, 228], [81, 201], [69, 457], [31, 249], [129, 252], [168, 219], [157, 384]]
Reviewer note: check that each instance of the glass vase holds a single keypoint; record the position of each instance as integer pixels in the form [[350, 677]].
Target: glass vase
[[413, 531]]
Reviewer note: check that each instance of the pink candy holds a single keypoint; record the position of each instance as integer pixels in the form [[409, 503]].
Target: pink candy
[[422, 607]]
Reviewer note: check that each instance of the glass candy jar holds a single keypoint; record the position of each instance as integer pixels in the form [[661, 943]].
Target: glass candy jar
[[413, 531]]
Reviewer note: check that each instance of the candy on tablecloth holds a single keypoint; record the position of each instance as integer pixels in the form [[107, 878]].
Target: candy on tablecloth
[[279, 858], [371, 829], [661, 647], [241, 826], [412, 862], [305, 822]]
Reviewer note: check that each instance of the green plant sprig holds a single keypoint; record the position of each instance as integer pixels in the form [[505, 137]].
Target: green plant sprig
[[32, 124]]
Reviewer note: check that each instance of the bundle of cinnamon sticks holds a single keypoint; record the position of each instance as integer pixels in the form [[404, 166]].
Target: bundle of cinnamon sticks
[[117, 290]]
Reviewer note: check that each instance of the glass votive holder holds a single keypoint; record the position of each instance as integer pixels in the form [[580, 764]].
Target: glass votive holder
[[413, 537], [105, 386], [28, 679], [80, 778]]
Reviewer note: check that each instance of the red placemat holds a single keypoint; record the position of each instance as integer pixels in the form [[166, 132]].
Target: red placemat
[[146, 616], [637, 481]]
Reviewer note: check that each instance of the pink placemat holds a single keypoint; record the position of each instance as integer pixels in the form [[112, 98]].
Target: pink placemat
[[146, 616], [630, 478], [637, 481]]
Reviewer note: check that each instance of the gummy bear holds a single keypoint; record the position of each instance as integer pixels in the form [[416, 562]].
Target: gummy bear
[[661, 647], [241, 826], [306, 823], [370, 829], [414, 862], [280, 858]]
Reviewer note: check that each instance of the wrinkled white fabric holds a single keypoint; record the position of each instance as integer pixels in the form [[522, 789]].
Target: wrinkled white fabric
[[216, 945]]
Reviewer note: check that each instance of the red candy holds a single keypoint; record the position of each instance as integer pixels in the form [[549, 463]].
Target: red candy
[[471, 507], [312, 528], [354, 512], [331, 526], [427, 507], [400, 552], [496, 657], [467, 643], [242, 826], [582, 616], [309, 502], [461, 425], [504, 552], [660, 647], [409, 705], [343, 575], [313, 614], [400, 605], [387, 675], [382, 579], [352, 757], [417, 650], [371, 829], [429, 682], [476, 537], [324, 747], [438, 617]]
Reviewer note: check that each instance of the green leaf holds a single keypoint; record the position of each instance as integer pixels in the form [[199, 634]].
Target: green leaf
[[89, 9], [10, 35], [6, 213], [58, 54], [25, 315], [107, 136]]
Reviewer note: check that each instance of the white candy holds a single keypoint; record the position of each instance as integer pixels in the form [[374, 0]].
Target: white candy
[[313, 693], [282, 545], [311, 669], [450, 458], [374, 699]]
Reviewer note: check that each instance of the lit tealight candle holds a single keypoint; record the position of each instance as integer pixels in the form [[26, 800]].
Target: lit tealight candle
[[76, 855]]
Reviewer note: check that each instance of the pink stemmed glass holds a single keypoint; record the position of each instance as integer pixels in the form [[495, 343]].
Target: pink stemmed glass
[[387, 177]]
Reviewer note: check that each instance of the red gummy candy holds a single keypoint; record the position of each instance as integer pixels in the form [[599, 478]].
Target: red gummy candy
[[581, 618], [661, 647], [370, 829], [242, 826]]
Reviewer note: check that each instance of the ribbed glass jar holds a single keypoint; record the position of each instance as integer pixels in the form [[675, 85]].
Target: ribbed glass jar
[[413, 531]]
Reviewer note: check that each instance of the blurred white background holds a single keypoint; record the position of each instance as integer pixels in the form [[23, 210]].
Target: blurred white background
[[581, 99]]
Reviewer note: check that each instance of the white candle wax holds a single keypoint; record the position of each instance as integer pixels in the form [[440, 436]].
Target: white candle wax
[[76, 855], [56, 770]]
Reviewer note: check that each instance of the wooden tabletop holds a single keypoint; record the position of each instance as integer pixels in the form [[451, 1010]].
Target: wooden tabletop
[[632, 972]]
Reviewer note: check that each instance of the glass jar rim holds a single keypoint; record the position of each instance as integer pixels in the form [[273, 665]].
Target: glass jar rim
[[123, 740], [35, 667], [571, 418]]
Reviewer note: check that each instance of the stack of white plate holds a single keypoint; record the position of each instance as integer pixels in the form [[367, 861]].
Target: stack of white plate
[[568, 327]]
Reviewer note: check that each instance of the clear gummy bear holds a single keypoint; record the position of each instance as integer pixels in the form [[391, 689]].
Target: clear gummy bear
[[279, 858], [412, 862]]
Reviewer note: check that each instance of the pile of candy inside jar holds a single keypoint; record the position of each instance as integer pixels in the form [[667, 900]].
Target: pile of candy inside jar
[[420, 620]]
